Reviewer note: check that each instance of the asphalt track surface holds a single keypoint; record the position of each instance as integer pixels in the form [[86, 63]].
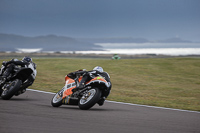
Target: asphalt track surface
[[33, 113]]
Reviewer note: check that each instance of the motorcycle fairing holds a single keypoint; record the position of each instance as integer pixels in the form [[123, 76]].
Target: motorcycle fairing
[[23, 74], [70, 84], [99, 80]]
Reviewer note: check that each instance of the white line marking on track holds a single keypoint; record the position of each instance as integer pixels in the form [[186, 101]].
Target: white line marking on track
[[154, 107], [129, 103], [41, 91]]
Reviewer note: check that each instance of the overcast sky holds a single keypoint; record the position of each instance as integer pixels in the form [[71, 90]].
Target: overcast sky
[[150, 19]]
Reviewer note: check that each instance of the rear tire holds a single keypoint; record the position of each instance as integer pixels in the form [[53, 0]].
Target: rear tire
[[89, 99], [11, 90], [56, 100]]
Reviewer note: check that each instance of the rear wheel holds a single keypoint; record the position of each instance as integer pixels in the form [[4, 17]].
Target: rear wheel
[[56, 100], [89, 98], [12, 88]]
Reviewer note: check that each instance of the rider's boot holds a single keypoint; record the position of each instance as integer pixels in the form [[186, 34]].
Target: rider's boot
[[101, 101], [23, 90], [20, 92], [82, 84]]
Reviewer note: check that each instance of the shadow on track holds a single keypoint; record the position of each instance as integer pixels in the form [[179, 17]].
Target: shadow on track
[[19, 99], [71, 107]]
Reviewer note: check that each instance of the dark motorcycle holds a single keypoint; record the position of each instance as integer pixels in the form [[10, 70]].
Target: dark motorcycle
[[15, 83]]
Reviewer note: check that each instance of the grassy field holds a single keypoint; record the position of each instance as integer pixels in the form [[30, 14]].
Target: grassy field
[[165, 82]]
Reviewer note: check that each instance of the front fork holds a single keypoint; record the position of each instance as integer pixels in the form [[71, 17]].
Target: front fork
[[6, 86]]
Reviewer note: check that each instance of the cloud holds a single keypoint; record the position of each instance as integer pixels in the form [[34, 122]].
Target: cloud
[[91, 18]]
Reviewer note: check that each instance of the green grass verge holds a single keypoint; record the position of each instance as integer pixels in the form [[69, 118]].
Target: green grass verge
[[165, 82]]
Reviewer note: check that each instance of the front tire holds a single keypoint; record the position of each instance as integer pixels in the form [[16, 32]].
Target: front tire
[[11, 89], [56, 100], [1, 91], [89, 99]]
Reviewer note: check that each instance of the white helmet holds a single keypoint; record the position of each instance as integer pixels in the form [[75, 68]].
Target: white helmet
[[98, 68]]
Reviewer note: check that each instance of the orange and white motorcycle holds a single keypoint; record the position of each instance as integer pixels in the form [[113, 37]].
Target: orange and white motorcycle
[[94, 91]]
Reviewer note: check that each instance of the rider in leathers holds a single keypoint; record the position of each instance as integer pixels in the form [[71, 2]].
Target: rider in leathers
[[10, 65], [88, 75]]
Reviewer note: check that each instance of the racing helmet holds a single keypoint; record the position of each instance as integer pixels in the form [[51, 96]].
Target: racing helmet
[[98, 68], [27, 59]]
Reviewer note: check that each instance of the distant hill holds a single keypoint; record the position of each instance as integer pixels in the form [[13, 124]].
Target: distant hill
[[10, 42], [174, 40], [115, 40], [132, 40]]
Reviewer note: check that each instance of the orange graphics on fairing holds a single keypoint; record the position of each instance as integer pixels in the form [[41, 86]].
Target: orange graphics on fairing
[[95, 90], [71, 84], [100, 79]]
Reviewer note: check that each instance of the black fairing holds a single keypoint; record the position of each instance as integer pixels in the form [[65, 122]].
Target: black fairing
[[23, 74], [102, 87]]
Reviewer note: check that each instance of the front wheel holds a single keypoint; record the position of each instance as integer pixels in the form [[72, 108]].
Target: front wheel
[[89, 98], [56, 100], [11, 89], [1, 91]]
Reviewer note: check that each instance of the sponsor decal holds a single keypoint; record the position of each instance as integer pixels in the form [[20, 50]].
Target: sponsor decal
[[99, 78]]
